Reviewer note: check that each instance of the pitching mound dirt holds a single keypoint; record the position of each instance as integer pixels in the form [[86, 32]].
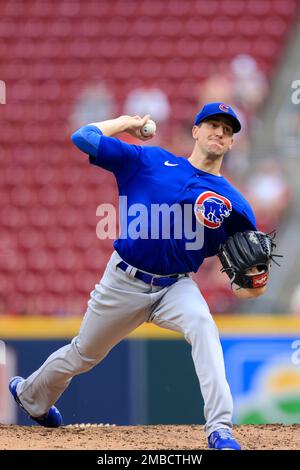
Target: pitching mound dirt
[[99, 437]]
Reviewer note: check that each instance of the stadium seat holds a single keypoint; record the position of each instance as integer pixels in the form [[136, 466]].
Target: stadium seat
[[231, 8], [170, 26], [204, 8], [41, 217], [12, 217], [150, 8], [83, 238], [39, 260], [55, 237], [275, 26], [16, 303], [285, 8], [29, 238], [7, 285], [85, 280], [248, 26], [187, 47], [125, 8], [49, 304], [28, 282], [50, 196], [58, 282]]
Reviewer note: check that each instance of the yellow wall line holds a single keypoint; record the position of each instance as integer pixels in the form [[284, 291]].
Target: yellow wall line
[[57, 328]]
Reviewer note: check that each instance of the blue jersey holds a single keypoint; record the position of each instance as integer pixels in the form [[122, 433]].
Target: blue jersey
[[206, 209]]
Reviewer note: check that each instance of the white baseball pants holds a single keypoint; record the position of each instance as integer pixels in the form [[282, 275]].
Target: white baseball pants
[[118, 305]]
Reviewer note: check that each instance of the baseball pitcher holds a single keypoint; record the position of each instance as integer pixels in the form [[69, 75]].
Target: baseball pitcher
[[148, 276]]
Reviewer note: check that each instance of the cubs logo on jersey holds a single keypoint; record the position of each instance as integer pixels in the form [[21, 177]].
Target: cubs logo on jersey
[[211, 209]]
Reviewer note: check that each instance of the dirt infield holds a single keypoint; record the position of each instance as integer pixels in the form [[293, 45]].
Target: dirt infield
[[106, 437]]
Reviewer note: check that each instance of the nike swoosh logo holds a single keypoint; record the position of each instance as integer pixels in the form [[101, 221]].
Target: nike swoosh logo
[[167, 163]]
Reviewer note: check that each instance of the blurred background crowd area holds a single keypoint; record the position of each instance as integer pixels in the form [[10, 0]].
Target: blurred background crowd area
[[69, 63]]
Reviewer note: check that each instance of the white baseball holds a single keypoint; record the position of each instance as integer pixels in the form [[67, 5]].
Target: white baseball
[[149, 128]]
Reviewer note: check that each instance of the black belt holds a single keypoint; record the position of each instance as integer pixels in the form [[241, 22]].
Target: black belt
[[153, 280]]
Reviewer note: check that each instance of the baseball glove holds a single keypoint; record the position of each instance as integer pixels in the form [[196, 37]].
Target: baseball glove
[[244, 251]]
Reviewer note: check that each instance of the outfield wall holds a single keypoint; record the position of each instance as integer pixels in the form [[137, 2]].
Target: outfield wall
[[149, 377]]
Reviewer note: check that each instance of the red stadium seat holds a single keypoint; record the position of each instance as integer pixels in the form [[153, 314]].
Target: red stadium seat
[[231, 8], [187, 47], [16, 303], [41, 217], [13, 217], [58, 282], [4, 196], [25, 49], [8, 27], [68, 217], [98, 69], [160, 47], [187, 88], [248, 26], [124, 68], [213, 48], [85, 280], [222, 26], [77, 196], [150, 68], [196, 26], [14, 10], [176, 68], [24, 155], [44, 174], [118, 26], [60, 28], [48, 304], [237, 45], [56, 238], [39, 9], [93, 259], [67, 260], [284, 8], [7, 238], [83, 238], [75, 304], [199, 68], [179, 8], [183, 110], [7, 284], [11, 260], [259, 8], [275, 26], [39, 260], [34, 27], [170, 26], [204, 8], [123, 8], [264, 47], [28, 282], [108, 47], [50, 196], [7, 132], [69, 175], [29, 238]]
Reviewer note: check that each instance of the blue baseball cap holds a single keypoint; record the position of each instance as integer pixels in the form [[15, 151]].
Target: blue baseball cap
[[218, 109]]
